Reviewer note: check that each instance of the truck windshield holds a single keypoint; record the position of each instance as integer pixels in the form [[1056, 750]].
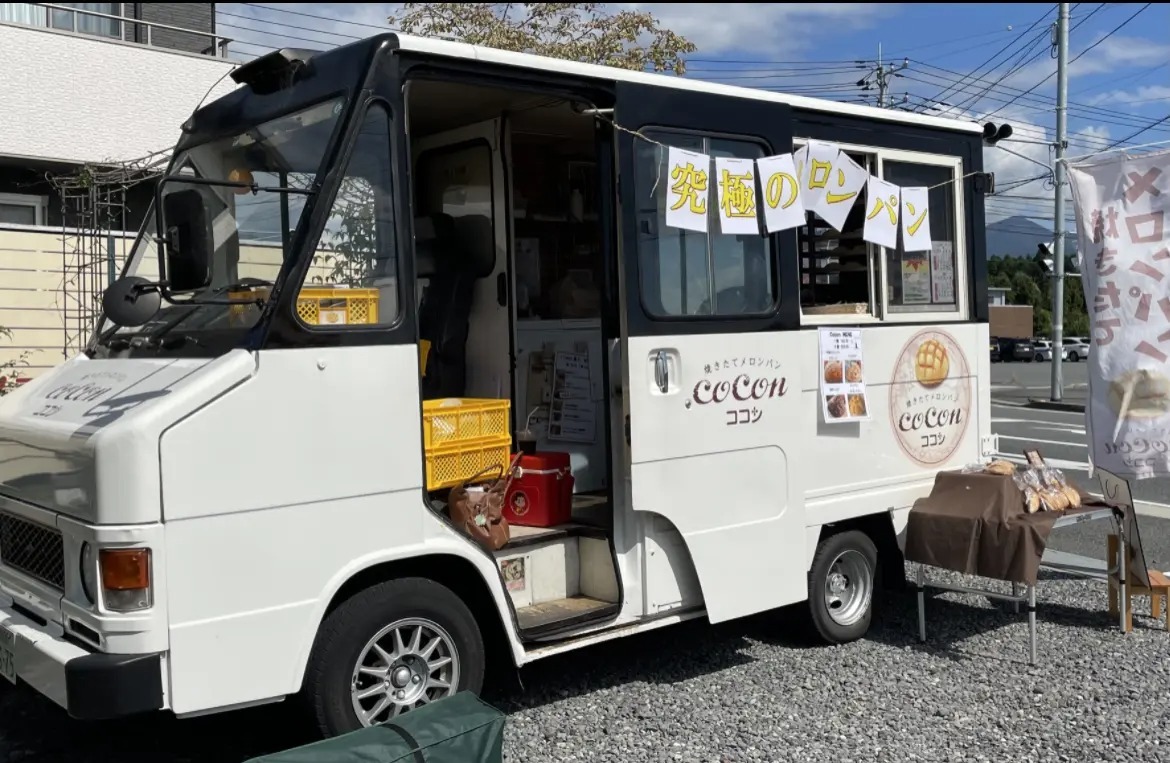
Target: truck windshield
[[260, 180]]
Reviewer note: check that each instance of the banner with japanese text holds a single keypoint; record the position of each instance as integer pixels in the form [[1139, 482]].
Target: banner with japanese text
[[819, 178], [1121, 204]]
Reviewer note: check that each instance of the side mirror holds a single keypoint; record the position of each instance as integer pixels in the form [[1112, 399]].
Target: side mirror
[[131, 301], [188, 240]]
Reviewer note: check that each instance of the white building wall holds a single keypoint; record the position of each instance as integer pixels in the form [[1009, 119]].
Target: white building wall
[[72, 98]]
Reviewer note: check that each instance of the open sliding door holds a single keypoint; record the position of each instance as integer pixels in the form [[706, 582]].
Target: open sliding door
[[714, 424]]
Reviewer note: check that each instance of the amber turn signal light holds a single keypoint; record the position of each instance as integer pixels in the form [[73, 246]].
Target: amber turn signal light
[[125, 569]]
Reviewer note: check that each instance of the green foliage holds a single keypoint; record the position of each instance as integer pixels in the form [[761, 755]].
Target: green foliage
[[1029, 284], [587, 32], [9, 369]]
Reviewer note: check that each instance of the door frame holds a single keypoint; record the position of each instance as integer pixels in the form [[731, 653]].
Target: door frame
[[641, 107], [493, 134]]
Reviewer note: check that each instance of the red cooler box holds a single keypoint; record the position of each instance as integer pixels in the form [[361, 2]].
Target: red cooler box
[[541, 495]]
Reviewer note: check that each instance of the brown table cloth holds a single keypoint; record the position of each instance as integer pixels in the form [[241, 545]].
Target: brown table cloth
[[977, 524]]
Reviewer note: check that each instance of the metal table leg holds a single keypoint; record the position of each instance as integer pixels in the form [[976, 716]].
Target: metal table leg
[[1123, 572], [921, 604], [1032, 622]]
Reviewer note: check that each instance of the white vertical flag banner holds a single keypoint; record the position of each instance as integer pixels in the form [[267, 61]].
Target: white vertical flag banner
[[737, 196], [688, 189], [844, 186], [884, 200], [916, 219], [1122, 204], [780, 182]]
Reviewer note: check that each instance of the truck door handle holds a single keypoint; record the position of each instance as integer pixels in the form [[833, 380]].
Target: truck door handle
[[661, 371]]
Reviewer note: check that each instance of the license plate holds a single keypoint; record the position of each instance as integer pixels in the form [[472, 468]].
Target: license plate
[[7, 658]]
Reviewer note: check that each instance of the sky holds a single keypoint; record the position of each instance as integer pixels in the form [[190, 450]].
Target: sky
[[977, 61]]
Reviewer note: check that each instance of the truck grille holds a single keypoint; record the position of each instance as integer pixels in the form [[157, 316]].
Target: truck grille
[[33, 549]]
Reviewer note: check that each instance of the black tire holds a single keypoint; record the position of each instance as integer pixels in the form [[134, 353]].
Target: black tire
[[345, 632], [1073, 356], [826, 628]]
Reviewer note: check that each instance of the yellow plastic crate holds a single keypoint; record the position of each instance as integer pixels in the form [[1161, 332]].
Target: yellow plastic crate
[[336, 307], [318, 306], [450, 421], [455, 464]]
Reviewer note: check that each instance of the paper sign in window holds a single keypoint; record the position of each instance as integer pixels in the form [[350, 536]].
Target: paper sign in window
[[821, 159], [688, 182], [737, 196], [841, 191], [780, 183], [884, 203], [916, 220]]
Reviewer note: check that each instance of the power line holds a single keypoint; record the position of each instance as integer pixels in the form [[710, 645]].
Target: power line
[[1109, 34], [1109, 116], [994, 55], [1128, 138]]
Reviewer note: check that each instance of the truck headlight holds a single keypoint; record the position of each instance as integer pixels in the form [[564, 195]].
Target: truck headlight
[[126, 578], [89, 585]]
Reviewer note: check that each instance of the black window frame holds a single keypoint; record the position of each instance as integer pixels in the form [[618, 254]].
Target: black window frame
[[662, 133], [386, 229]]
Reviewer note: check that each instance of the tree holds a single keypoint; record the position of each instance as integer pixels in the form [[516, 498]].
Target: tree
[[584, 32]]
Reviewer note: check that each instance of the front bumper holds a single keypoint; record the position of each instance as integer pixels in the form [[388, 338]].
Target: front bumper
[[88, 685]]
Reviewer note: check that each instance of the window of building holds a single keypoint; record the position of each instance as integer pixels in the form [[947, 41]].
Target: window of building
[[690, 274], [80, 18], [357, 248], [21, 209], [844, 278]]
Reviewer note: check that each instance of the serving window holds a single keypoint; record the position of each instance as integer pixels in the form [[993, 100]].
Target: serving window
[[845, 279]]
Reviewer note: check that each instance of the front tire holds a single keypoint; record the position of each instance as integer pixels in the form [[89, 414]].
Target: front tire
[[841, 587], [388, 649]]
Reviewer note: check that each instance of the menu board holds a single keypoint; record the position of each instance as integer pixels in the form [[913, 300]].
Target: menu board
[[842, 376]]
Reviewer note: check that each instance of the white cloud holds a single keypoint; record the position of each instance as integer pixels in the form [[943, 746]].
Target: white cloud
[[1146, 94], [775, 29], [778, 29], [1112, 54]]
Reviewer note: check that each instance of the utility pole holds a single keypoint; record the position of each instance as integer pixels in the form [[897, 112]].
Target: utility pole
[[882, 76], [1058, 225]]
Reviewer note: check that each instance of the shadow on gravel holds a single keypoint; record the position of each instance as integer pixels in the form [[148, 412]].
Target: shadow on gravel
[[34, 731]]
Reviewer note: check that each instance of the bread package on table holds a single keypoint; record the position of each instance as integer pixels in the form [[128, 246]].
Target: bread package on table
[[1046, 489]]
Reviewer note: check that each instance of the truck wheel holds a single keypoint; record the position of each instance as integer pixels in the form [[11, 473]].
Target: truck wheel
[[393, 647], [841, 586]]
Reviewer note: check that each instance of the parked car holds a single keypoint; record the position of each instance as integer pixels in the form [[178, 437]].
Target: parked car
[[1077, 348], [1042, 351], [995, 349], [1016, 349]]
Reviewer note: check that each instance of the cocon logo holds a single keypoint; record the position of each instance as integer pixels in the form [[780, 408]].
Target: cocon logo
[[930, 397], [750, 382]]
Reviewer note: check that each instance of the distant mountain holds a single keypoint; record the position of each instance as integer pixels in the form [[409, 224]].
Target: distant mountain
[[1016, 237]]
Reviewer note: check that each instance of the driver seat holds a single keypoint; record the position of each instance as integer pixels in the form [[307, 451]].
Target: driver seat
[[445, 308]]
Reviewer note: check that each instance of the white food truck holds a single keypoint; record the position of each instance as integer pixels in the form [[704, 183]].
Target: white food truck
[[228, 498]]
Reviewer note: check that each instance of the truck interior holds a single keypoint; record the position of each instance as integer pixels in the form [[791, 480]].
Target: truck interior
[[509, 262]]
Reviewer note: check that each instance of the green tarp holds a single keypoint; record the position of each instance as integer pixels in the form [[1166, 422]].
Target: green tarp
[[457, 729]]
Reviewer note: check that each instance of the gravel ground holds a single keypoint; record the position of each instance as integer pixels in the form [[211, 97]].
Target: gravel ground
[[756, 690]]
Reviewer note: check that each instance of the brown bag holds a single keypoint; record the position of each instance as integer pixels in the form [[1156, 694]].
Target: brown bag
[[481, 516]]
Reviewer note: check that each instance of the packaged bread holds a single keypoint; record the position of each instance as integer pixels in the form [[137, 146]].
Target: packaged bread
[[1000, 466], [1031, 495], [1054, 499]]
